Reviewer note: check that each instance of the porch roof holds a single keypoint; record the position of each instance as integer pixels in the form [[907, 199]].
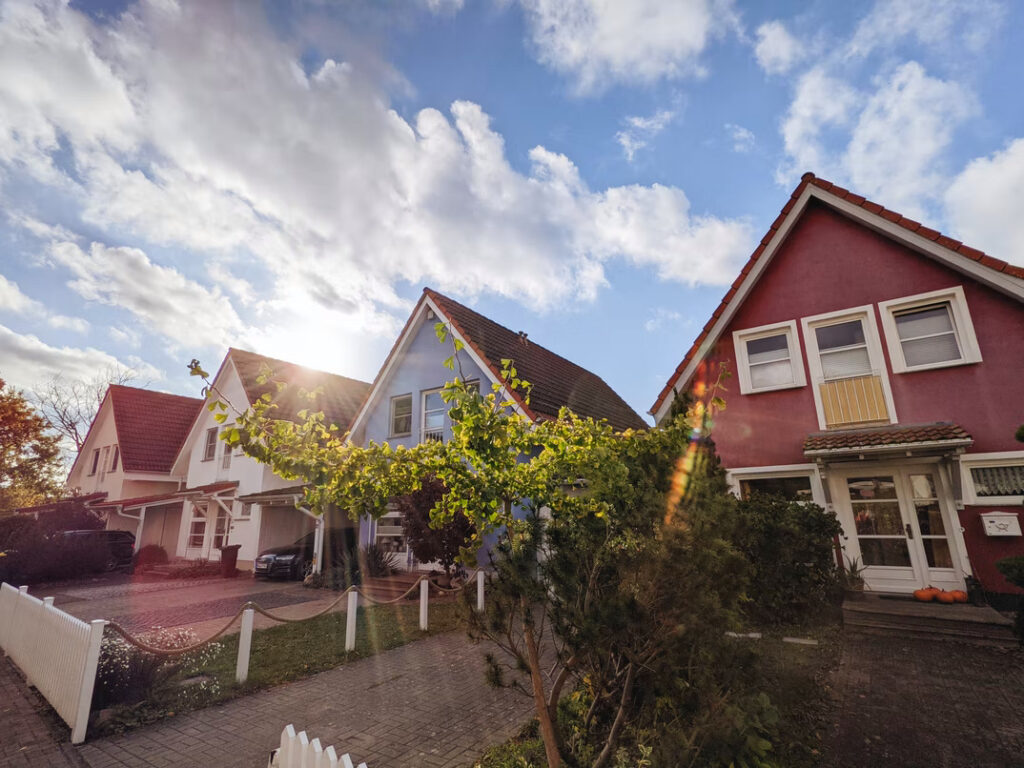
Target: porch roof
[[211, 489], [880, 439], [52, 506], [137, 501], [277, 494]]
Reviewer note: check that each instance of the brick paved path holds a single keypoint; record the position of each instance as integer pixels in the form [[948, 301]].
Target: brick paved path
[[28, 739], [919, 703], [423, 705]]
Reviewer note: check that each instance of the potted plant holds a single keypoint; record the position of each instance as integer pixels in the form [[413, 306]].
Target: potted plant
[[853, 579]]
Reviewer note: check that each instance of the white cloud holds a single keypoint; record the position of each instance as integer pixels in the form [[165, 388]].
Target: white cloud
[[777, 51], [821, 102], [162, 298], [660, 317], [13, 300], [600, 42], [28, 361], [130, 337], [983, 203], [901, 134], [951, 23], [640, 130], [743, 139]]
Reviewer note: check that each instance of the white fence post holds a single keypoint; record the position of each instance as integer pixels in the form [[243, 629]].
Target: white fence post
[[92, 659], [297, 751], [350, 621], [424, 590], [244, 645], [480, 591]]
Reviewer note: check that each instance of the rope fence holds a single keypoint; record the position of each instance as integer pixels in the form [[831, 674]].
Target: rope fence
[[352, 594]]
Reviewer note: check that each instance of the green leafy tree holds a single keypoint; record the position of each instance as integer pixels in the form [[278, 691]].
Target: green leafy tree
[[29, 453], [614, 525]]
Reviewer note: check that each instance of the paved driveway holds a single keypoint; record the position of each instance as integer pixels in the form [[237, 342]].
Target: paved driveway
[[423, 705]]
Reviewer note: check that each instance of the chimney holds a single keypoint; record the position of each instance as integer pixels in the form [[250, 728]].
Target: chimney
[[522, 337]]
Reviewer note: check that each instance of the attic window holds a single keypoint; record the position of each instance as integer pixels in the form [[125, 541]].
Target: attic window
[[114, 459], [95, 462], [768, 358], [929, 330], [401, 416], [210, 447]]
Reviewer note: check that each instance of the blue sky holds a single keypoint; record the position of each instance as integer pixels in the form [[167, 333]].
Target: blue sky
[[177, 177]]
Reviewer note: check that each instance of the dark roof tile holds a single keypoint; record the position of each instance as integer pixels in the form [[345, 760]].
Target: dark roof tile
[[878, 437]]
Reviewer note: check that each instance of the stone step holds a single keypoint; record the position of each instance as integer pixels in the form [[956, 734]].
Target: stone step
[[967, 623]]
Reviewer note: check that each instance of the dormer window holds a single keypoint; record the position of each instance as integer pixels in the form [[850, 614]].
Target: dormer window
[[929, 330], [768, 358]]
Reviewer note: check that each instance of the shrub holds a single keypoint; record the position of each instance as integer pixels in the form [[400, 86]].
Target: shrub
[[127, 674], [1013, 569], [429, 544], [200, 569], [378, 562], [35, 556], [336, 577], [151, 554], [789, 545]]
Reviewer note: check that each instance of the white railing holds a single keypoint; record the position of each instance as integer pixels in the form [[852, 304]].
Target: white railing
[[56, 652], [297, 751]]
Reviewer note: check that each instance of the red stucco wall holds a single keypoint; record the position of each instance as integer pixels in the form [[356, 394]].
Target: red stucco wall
[[829, 263]]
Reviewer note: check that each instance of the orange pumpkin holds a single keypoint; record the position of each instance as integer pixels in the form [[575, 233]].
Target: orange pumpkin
[[945, 597], [926, 595], [959, 596]]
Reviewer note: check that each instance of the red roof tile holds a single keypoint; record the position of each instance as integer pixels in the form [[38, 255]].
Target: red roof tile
[[851, 440], [956, 246], [151, 426], [339, 399], [557, 382]]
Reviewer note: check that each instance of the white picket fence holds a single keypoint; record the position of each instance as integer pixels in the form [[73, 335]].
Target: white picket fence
[[297, 751], [56, 652]]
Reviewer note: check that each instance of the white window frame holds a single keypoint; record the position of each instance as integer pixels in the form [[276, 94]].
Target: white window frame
[[876, 357], [115, 458], [225, 459], [735, 476], [423, 411], [796, 361], [209, 455], [94, 465], [970, 461], [391, 416], [963, 328]]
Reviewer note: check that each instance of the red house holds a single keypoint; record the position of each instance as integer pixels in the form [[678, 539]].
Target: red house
[[878, 371]]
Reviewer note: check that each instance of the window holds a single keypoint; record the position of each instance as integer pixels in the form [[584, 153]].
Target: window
[[768, 358], [993, 478], [434, 410], [210, 448], [390, 536], [95, 462], [116, 457], [789, 488], [225, 462], [929, 330], [197, 530], [401, 416], [847, 366], [246, 512], [221, 527]]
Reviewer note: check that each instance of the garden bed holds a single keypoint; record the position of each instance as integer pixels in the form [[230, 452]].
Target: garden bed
[[280, 654]]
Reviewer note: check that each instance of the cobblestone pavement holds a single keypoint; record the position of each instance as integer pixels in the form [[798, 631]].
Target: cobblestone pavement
[[918, 703], [28, 736], [423, 705]]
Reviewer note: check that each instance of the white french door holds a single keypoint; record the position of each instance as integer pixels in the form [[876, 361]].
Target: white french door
[[898, 522]]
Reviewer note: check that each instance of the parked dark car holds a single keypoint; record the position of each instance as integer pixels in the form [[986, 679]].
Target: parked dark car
[[120, 545], [295, 561]]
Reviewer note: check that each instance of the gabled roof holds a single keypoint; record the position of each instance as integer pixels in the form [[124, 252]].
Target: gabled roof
[[929, 242], [151, 426], [557, 382], [339, 399]]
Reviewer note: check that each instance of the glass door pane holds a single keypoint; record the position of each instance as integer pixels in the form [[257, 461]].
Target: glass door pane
[[928, 515], [879, 522]]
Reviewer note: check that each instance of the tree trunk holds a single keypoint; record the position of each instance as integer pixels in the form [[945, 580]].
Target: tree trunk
[[547, 725]]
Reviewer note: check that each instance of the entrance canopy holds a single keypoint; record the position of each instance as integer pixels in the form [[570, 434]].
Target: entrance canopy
[[908, 440]]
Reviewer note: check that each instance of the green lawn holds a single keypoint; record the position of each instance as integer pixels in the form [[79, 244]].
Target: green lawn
[[284, 653]]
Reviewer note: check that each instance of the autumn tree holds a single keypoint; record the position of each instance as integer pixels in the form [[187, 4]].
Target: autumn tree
[[29, 453]]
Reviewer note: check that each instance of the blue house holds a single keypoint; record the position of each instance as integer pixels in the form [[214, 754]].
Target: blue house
[[404, 405]]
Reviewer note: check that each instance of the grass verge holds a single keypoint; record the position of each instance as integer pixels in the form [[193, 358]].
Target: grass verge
[[282, 654]]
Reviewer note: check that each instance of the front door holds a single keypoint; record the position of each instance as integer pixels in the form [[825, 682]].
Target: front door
[[897, 523]]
